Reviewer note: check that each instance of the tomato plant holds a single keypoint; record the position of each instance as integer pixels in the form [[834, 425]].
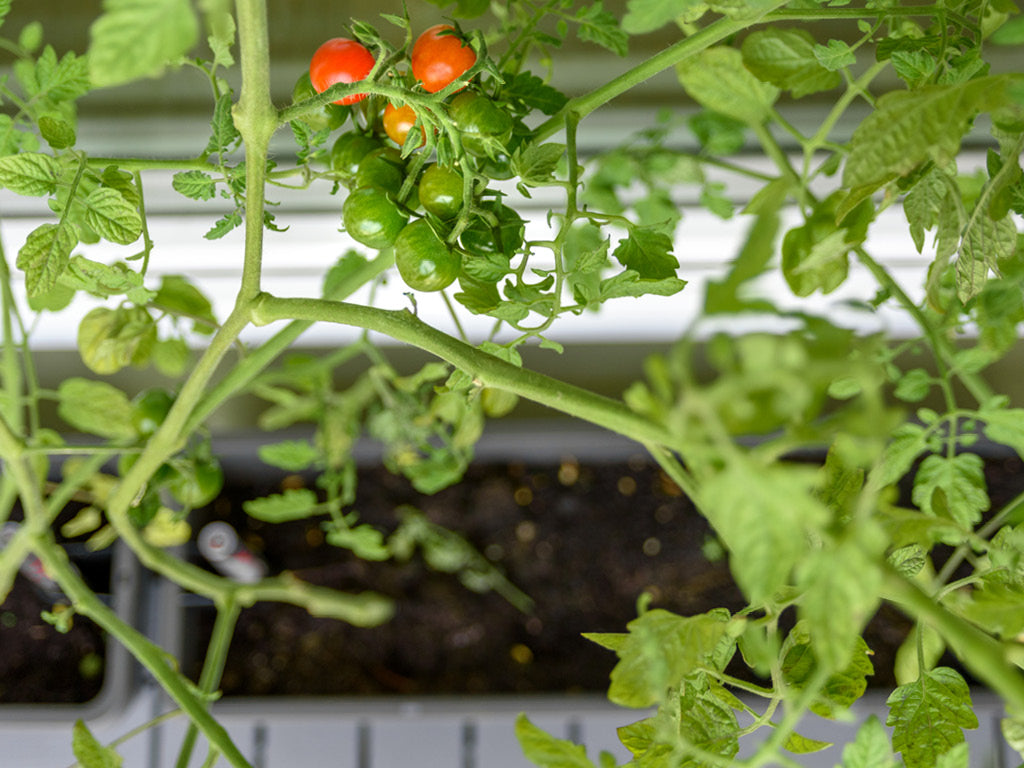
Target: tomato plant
[[340, 60], [828, 392], [439, 57]]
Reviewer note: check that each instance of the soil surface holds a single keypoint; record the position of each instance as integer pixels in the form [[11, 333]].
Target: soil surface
[[583, 541]]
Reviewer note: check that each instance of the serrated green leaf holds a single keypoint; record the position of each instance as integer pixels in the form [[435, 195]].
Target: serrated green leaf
[[289, 455], [913, 67], [95, 407], [133, 39], [843, 688], [786, 58], [835, 55], [45, 255], [718, 81], [1005, 426], [196, 185], [224, 136], [224, 225], [596, 25], [870, 748], [629, 284], [841, 586], [910, 127], [984, 244], [112, 339], [544, 750], [89, 752], [763, 531], [293, 504], [952, 487], [928, 716], [909, 560], [60, 80], [100, 279], [30, 173], [534, 93], [111, 216], [536, 163], [56, 131], [801, 745], [643, 16], [648, 252], [661, 649], [908, 442]]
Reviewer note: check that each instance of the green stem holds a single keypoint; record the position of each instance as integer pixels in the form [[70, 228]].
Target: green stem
[[151, 163], [982, 655], [489, 370], [829, 14], [11, 367], [213, 667], [713, 33], [152, 657]]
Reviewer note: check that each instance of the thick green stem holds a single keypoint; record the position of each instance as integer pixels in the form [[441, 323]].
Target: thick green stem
[[213, 667], [11, 368], [489, 370]]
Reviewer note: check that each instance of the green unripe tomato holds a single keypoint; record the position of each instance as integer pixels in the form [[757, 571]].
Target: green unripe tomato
[[350, 149], [441, 191], [149, 409], [505, 237], [485, 128], [372, 217], [497, 402], [424, 261], [330, 117], [196, 483], [382, 167]]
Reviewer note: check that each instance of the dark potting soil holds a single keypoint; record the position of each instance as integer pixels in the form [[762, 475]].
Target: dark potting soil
[[583, 541], [39, 664]]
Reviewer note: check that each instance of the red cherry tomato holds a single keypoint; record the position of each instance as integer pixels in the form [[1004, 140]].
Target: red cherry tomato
[[439, 56], [398, 121], [340, 60]]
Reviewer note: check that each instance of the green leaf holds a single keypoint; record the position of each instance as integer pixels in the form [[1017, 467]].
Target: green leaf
[[909, 127], [843, 688], [111, 339], [643, 16], [195, 185], [5, 8], [364, 541], [814, 261], [648, 252], [138, 38], [30, 173], [171, 357], [96, 407], [870, 748], [629, 283], [54, 300], [718, 81], [928, 716], [835, 56], [56, 131], [1005, 426], [224, 225], [596, 25], [764, 531], [661, 649], [111, 216], [1013, 731], [841, 586], [101, 279], [534, 93], [535, 164], [952, 487], [289, 455], [914, 67], [801, 745], [544, 750], [718, 134], [908, 442], [45, 256], [89, 752], [786, 58], [1010, 33], [984, 244], [180, 297], [293, 504], [914, 385], [224, 136]]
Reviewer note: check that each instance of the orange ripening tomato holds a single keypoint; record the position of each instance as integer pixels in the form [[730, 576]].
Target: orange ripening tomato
[[340, 60], [440, 56], [398, 121]]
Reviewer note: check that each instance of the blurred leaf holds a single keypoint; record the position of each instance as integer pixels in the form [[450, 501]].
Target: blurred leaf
[[546, 751], [95, 407], [786, 58], [139, 38], [717, 80], [293, 504]]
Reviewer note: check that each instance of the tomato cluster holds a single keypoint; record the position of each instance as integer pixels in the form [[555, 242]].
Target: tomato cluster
[[436, 215]]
